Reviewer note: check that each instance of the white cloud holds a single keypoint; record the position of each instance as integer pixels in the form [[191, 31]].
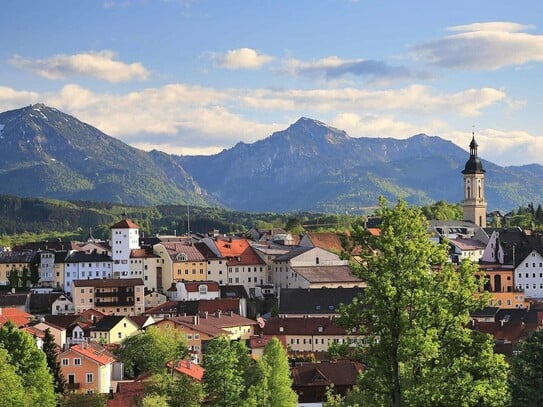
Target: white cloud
[[101, 65], [483, 46], [382, 126], [415, 98], [14, 99], [183, 118], [241, 58]]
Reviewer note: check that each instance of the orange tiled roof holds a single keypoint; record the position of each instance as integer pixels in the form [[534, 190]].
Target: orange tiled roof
[[326, 240], [238, 252], [188, 368], [98, 354], [125, 224], [15, 315], [374, 231]]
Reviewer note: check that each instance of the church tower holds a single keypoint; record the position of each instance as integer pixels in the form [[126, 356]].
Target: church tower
[[474, 203]]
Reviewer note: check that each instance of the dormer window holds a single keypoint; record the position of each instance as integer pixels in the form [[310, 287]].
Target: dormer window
[[181, 257]]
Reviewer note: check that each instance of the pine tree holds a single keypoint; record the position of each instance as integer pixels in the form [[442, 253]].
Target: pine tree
[[51, 353]]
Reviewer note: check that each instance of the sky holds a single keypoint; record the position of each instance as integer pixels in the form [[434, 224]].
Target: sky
[[196, 77]]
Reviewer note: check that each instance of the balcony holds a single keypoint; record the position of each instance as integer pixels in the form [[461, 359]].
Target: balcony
[[73, 386]]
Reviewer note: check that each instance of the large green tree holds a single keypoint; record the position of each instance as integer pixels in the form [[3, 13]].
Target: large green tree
[[11, 385], [149, 351], [176, 391], [30, 364], [527, 372], [414, 312], [279, 382], [223, 380]]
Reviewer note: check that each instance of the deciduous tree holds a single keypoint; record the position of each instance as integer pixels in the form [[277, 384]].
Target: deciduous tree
[[30, 364], [150, 350], [11, 385], [279, 382], [414, 311], [527, 372]]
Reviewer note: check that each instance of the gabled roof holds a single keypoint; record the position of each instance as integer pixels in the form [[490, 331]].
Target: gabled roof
[[107, 323], [315, 301], [326, 240], [206, 251], [238, 252], [293, 253], [169, 307], [340, 373], [467, 244], [15, 315], [17, 257], [125, 224], [213, 324], [190, 252], [94, 352], [192, 286], [188, 368], [141, 320], [327, 274], [64, 321], [14, 300]]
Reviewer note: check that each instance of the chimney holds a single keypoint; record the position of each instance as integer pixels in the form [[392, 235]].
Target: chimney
[[218, 313], [196, 319]]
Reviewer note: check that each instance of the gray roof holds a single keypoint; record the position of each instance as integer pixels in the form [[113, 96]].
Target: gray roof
[[327, 274], [293, 253], [315, 301]]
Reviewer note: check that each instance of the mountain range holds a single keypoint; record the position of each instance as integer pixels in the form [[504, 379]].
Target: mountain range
[[308, 166]]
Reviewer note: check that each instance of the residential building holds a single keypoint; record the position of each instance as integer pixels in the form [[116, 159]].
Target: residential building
[[310, 334], [311, 381], [244, 265], [200, 329], [194, 290], [110, 296], [82, 265], [112, 329], [306, 267], [15, 261], [88, 368], [145, 264], [181, 261]]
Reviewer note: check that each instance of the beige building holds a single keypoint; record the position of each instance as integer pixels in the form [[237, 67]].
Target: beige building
[[109, 296], [310, 334]]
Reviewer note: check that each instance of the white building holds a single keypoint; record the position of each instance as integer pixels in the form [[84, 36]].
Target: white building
[[124, 238], [81, 266], [529, 275]]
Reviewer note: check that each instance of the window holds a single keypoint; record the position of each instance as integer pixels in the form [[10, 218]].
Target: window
[[77, 362], [90, 377], [65, 362]]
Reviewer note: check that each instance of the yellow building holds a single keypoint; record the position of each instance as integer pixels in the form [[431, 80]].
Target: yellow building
[[200, 329], [501, 286], [17, 261], [180, 262], [113, 329]]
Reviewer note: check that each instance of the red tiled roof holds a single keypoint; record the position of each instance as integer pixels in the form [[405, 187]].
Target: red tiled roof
[[125, 224], [223, 305], [168, 306], [15, 315], [374, 231], [326, 240], [213, 324], [188, 368], [192, 286], [142, 254], [128, 394], [238, 252], [96, 353]]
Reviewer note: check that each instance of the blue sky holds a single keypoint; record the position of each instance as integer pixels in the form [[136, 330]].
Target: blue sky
[[195, 77]]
